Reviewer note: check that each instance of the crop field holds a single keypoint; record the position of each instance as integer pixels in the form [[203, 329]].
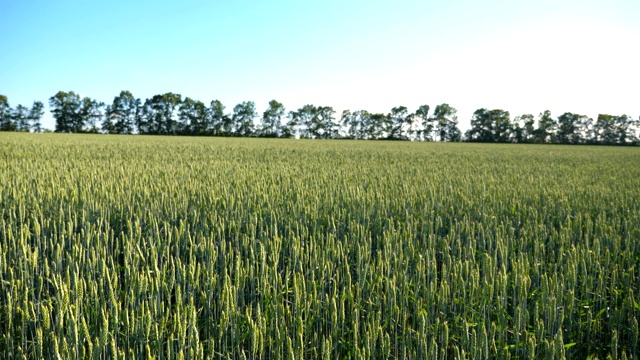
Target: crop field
[[134, 247]]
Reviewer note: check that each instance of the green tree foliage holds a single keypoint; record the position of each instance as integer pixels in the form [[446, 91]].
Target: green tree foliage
[[194, 117], [159, 115], [605, 131], [375, 126], [243, 118], [516, 130], [91, 113], [74, 113], [446, 120], [427, 130], [6, 122], [350, 125], [170, 114], [121, 115], [480, 127], [21, 118], [324, 125], [35, 116], [218, 122], [151, 116], [66, 110], [546, 131], [573, 128], [398, 126], [490, 126], [313, 122], [299, 121], [615, 130], [626, 130], [354, 124], [523, 129], [271, 122]]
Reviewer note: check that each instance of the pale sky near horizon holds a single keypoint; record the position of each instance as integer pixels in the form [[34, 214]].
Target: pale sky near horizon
[[518, 55]]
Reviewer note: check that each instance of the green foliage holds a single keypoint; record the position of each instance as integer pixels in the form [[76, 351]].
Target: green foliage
[[74, 113], [122, 115], [446, 122], [169, 247], [160, 115], [169, 114], [271, 123], [313, 122], [21, 118], [573, 128], [244, 115], [6, 123], [490, 126], [35, 114]]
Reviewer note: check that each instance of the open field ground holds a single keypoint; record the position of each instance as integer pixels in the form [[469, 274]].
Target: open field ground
[[134, 247]]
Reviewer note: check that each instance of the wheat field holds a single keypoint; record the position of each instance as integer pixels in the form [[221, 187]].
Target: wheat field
[[129, 247]]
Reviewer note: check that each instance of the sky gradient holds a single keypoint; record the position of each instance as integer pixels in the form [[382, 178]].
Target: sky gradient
[[517, 55]]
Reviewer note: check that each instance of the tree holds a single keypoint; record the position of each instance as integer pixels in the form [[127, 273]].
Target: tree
[[91, 113], [490, 126], [297, 122], [426, 122], [354, 124], [604, 129], [159, 115], [625, 130], [480, 126], [244, 115], [271, 123], [21, 118], [349, 124], [453, 133], [545, 133], [523, 129], [610, 129], [6, 122], [324, 121], [501, 121], [573, 128], [35, 114], [300, 121], [447, 123], [121, 115], [399, 124], [375, 126], [313, 122], [171, 102], [65, 108], [151, 116], [516, 130], [194, 115], [218, 123], [289, 128], [108, 126]]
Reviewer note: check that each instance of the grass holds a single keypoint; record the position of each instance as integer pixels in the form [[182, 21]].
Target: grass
[[134, 247]]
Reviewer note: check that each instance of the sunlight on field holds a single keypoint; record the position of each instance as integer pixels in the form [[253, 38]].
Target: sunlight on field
[[134, 246]]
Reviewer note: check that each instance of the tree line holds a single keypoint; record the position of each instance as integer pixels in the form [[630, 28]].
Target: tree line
[[568, 128], [171, 114], [21, 118]]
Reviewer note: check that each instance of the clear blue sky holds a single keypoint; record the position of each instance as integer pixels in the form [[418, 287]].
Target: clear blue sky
[[521, 56]]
